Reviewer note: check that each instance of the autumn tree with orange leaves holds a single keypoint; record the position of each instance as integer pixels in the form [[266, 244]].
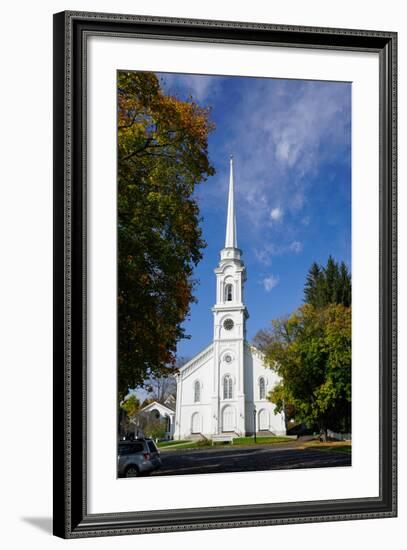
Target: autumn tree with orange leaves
[[162, 156]]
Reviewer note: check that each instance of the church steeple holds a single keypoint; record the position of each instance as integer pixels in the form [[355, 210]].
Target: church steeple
[[229, 326], [230, 273], [231, 240]]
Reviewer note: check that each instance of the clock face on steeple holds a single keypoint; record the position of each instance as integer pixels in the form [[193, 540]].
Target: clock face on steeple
[[228, 324]]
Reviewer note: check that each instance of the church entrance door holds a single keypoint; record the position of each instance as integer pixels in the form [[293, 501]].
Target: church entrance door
[[196, 423], [228, 419], [263, 420]]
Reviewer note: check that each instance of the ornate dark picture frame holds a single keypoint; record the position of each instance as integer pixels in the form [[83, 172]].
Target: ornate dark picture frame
[[71, 518]]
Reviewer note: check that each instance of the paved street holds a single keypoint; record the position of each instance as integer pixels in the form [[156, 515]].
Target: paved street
[[229, 459]]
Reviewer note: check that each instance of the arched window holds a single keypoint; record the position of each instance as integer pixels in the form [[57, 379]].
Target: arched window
[[228, 292], [262, 388], [227, 387], [197, 391]]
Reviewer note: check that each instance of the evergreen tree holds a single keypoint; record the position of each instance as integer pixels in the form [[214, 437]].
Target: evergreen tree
[[328, 285], [312, 290], [345, 285]]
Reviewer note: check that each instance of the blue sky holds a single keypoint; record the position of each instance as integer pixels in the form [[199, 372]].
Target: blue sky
[[291, 142]]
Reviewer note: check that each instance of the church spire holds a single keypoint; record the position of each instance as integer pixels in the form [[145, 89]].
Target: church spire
[[230, 241]]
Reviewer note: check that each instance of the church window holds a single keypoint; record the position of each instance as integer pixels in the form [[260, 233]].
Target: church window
[[197, 392], [227, 387], [228, 324], [228, 358], [262, 388], [228, 293]]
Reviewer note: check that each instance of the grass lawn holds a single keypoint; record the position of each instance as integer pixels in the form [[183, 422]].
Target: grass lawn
[[171, 442], [330, 446], [174, 445], [262, 440], [240, 441]]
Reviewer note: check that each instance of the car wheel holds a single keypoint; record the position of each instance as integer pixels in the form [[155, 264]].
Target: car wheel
[[132, 471]]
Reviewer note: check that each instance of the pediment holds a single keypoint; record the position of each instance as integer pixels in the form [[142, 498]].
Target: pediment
[[196, 362], [162, 409]]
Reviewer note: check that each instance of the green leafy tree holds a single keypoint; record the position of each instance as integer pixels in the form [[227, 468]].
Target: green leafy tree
[[131, 405], [156, 429], [162, 156], [311, 351], [128, 411], [152, 425], [328, 285]]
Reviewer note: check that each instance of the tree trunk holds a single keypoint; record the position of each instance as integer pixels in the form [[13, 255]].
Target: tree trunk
[[323, 434]]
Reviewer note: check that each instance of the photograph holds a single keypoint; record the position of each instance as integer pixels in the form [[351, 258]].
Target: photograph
[[225, 273], [234, 273], [203, 254]]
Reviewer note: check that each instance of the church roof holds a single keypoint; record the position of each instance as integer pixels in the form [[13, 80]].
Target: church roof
[[156, 405], [197, 360], [253, 349]]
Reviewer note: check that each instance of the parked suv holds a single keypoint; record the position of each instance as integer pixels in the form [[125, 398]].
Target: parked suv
[[137, 457]]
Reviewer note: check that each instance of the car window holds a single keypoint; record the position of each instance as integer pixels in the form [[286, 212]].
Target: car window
[[130, 448], [151, 447]]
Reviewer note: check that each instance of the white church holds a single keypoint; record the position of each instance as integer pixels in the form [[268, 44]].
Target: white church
[[223, 390]]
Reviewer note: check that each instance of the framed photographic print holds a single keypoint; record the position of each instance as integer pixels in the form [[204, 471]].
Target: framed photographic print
[[224, 274]]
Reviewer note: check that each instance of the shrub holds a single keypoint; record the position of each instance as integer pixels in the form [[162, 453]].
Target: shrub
[[205, 442]]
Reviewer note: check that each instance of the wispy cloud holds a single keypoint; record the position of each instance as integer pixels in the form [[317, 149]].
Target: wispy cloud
[[276, 214], [264, 255], [270, 282], [200, 87], [283, 135], [296, 246]]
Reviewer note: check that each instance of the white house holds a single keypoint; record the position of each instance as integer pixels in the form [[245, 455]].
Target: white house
[[160, 412], [224, 388]]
